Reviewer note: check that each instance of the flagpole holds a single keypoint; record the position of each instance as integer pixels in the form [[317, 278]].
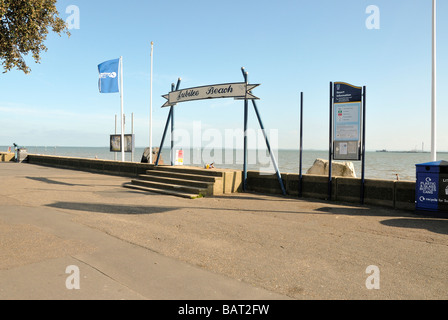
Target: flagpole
[[122, 119], [115, 154], [150, 108], [433, 86]]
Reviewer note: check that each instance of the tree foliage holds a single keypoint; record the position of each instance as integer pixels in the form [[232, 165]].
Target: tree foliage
[[24, 27]]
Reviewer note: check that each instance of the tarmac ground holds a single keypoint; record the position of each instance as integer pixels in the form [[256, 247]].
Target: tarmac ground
[[69, 235]]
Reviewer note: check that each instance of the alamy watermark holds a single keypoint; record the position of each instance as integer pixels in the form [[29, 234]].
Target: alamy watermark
[[73, 21], [373, 280], [373, 20], [226, 147], [73, 280]]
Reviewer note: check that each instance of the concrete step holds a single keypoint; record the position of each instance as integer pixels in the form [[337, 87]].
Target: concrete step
[[181, 175], [162, 191], [170, 187], [190, 180], [189, 170], [179, 181]]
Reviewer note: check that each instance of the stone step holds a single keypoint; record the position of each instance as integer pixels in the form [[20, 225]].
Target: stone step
[[162, 191], [170, 187], [189, 170], [189, 180], [181, 175], [178, 181]]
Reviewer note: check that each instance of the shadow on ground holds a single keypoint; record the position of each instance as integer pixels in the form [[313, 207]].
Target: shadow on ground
[[109, 208], [51, 181], [401, 219], [433, 225]]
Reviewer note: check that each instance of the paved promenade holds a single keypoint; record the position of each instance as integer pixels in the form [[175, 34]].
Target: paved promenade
[[128, 244]]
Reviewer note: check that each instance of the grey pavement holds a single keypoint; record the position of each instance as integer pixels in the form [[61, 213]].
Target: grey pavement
[[109, 268], [130, 244]]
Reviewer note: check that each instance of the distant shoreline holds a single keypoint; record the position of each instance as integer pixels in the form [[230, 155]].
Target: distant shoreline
[[410, 151], [236, 149]]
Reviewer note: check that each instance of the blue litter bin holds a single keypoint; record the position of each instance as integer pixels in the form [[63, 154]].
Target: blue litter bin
[[431, 188]]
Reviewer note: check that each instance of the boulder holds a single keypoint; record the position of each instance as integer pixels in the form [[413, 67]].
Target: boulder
[[339, 169], [145, 156]]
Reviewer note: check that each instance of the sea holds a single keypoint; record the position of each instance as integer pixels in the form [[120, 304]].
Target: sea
[[387, 165]]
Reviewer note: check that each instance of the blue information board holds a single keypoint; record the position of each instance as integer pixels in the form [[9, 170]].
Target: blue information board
[[346, 121]]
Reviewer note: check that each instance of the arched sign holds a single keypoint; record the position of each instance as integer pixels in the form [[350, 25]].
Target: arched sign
[[239, 90], [236, 90]]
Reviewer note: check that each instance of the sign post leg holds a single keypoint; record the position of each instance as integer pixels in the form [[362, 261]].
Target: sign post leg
[[170, 118], [172, 130], [245, 136], [277, 171], [265, 137], [163, 136], [363, 146], [331, 143], [301, 144], [172, 122], [245, 146]]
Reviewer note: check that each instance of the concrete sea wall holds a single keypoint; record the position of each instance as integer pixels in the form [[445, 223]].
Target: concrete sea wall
[[7, 156], [387, 193], [127, 169]]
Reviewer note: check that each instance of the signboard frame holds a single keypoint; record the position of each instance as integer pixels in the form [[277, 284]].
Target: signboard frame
[[347, 122], [115, 143], [344, 94]]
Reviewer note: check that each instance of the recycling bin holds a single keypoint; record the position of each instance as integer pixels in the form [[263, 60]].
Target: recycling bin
[[431, 188]]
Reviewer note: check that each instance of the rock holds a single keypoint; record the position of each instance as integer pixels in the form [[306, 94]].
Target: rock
[[339, 169], [318, 167], [145, 156]]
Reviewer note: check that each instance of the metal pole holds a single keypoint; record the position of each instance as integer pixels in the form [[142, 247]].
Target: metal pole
[[122, 118], [172, 122], [163, 136], [434, 85], [115, 154], [172, 131], [166, 125], [277, 171], [330, 142], [150, 108], [132, 135], [265, 137], [363, 163], [245, 136], [301, 144]]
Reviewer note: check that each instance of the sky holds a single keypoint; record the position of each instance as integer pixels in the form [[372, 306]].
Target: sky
[[287, 47]]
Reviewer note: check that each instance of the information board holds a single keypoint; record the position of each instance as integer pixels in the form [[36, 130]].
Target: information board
[[347, 121], [115, 143]]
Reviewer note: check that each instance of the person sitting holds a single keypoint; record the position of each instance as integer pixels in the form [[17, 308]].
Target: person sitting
[[210, 166]]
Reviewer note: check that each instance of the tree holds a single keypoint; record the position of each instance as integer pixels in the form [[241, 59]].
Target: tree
[[24, 27]]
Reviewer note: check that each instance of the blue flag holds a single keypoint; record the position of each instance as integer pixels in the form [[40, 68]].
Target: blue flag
[[108, 78]]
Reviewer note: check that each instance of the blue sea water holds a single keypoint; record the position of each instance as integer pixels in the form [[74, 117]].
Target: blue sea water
[[378, 165]]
